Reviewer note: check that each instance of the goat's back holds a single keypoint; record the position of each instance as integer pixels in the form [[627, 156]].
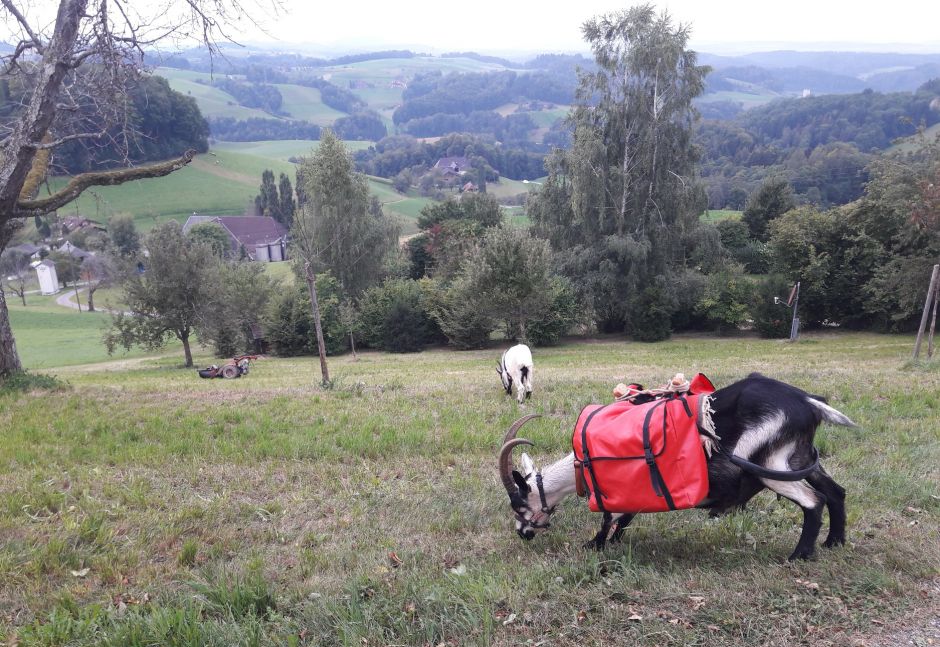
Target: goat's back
[[781, 413]]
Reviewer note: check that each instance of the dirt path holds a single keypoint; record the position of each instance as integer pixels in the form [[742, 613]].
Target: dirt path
[[65, 300]]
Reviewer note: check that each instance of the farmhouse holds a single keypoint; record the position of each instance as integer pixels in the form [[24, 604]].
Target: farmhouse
[[26, 248], [263, 238], [73, 251], [452, 165]]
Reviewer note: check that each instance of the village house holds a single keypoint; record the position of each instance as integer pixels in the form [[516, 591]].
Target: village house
[[452, 165], [263, 238]]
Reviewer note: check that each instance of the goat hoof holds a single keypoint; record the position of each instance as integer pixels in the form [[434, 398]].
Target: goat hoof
[[832, 542], [594, 544], [800, 555]]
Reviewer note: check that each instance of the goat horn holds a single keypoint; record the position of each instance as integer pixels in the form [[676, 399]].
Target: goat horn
[[517, 425], [505, 454], [505, 463]]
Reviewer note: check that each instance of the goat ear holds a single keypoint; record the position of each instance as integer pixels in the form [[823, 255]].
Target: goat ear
[[528, 467], [524, 488]]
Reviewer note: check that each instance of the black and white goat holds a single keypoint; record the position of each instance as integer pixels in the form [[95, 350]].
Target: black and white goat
[[766, 422], [515, 367]]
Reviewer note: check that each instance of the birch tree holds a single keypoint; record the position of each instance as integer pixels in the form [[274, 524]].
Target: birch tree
[[616, 203]]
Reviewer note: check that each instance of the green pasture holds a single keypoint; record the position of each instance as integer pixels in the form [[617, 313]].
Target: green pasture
[[717, 215], [224, 181], [140, 505], [507, 188], [306, 104], [747, 99], [213, 102], [49, 336]]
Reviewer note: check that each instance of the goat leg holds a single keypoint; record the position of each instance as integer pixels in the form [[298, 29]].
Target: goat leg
[[622, 522], [835, 504], [600, 539]]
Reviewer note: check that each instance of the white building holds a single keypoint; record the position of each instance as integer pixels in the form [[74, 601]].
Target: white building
[[48, 279]]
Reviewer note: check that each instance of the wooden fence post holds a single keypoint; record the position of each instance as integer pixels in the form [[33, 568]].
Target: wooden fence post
[[931, 295]]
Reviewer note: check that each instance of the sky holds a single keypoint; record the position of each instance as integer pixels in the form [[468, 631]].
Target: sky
[[505, 26]]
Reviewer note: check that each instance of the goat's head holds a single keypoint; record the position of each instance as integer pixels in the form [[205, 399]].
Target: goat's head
[[504, 376], [526, 496]]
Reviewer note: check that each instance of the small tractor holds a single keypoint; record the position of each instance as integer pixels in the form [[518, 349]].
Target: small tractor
[[235, 367]]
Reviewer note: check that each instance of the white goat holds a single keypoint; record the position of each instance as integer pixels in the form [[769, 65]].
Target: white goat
[[516, 367]]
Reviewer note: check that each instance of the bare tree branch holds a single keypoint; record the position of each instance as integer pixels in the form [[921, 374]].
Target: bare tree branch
[[20, 18], [79, 183]]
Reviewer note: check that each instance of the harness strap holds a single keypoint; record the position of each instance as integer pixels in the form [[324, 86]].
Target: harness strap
[[541, 488], [656, 477], [775, 475]]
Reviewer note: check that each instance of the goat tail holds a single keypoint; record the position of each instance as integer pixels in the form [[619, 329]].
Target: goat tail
[[830, 414]]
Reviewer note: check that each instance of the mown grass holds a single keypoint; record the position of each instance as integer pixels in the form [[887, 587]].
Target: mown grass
[[266, 510], [717, 215], [48, 335]]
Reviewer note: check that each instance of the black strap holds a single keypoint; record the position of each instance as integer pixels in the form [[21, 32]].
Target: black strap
[[538, 484], [776, 475], [586, 461], [659, 484]]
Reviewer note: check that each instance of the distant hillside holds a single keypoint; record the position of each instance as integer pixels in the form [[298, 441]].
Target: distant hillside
[[789, 72]]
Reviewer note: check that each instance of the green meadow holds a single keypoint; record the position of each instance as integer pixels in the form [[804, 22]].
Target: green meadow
[[140, 505], [223, 181]]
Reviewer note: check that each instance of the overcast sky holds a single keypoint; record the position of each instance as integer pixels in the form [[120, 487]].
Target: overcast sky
[[519, 25]]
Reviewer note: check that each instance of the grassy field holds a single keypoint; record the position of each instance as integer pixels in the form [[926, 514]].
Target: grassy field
[[143, 506], [221, 182], [213, 102], [717, 215], [49, 336], [305, 103]]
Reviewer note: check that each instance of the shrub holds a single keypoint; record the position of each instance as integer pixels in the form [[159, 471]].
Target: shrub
[[289, 323], [24, 381], [725, 301], [651, 313], [563, 313], [403, 330], [460, 311], [771, 320], [379, 308], [688, 287]]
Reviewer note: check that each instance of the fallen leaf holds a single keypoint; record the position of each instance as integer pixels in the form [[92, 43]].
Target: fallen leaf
[[582, 616], [635, 618], [512, 616], [460, 569], [697, 602], [395, 559], [82, 573]]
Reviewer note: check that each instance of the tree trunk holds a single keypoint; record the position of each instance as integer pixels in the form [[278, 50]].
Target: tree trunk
[[91, 299], [9, 359], [186, 351], [315, 309]]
